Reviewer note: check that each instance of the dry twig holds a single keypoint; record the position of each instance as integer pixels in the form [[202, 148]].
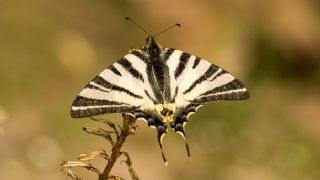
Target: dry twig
[[128, 128]]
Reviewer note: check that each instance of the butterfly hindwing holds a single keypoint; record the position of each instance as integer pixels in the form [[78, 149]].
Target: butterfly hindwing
[[193, 82], [200, 81], [119, 88]]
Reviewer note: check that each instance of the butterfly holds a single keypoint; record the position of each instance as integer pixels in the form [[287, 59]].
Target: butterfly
[[162, 86]]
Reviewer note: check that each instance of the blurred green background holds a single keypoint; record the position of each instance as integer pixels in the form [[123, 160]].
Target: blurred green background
[[49, 49]]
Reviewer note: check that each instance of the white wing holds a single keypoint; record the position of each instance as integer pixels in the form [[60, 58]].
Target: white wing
[[199, 81], [122, 87]]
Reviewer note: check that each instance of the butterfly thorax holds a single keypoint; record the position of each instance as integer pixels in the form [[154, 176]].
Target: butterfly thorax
[[158, 72]]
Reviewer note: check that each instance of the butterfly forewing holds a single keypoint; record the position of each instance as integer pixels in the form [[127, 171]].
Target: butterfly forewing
[[119, 88]]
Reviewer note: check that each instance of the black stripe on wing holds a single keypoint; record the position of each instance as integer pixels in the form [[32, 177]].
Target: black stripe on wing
[[115, 70], [184, 58], [210, 71], [128, 66], [168, 53], [218, 75], [83, 101], [90, 86], [173, 100], [101, 81], [196, 62], [140, 56], [86, 107], [233, 85], [100, 111], [234, 90], [148, 95]]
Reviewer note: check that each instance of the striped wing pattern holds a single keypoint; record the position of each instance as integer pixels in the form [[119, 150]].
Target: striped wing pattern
[[124, 86], [200, 82], [119, 88], [194, 82]]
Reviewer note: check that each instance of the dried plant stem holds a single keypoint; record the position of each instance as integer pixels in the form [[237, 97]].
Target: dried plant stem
[[130, 168], [128, 128]]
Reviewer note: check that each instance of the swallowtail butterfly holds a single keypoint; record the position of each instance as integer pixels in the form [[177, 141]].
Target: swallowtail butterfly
[[159, 85]]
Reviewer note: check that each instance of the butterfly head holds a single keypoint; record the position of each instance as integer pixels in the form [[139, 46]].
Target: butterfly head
[[151, 42], [152, 46]]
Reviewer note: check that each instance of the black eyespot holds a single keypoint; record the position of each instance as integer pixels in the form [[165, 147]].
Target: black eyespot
[[178, 119], [139, 115], [161, 130], [151, 122], [165, 112], [184, 118], [190, 109], [178, 127], [172, 124]]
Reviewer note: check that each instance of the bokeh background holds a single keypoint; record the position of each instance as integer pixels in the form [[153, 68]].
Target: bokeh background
[[49, 49]]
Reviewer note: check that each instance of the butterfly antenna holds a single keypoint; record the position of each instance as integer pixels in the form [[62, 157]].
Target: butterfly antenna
[[167, 29], [129, 19]]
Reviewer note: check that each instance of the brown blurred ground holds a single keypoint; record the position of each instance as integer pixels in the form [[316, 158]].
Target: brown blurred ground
[[50, 49]]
